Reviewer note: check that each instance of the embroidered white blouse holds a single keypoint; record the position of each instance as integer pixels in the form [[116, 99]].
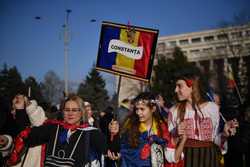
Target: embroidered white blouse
[[207, 124]]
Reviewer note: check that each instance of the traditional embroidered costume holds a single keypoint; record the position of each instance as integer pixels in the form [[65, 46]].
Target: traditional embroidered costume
[[152, 149], [65, 145], [202, 149], [32, 115]]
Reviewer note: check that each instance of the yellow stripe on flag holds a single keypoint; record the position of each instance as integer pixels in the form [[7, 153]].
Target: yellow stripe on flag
[[121, 60], [230, 73]]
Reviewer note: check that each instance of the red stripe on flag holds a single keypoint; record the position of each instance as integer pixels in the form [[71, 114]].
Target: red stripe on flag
[[146, 40], [231, 82]]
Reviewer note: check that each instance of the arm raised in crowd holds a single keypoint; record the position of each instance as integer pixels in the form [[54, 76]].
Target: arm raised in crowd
[[19, 103], [27, 113], [35, 113]]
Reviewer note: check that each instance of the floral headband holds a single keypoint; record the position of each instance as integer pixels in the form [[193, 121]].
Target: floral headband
[[144, 102]]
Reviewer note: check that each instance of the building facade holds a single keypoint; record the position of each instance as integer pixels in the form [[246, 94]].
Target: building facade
[[211, 50]]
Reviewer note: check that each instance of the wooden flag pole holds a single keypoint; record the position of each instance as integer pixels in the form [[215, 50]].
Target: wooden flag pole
[[116, 111], [29, 92], [118, 87], [118, 93]]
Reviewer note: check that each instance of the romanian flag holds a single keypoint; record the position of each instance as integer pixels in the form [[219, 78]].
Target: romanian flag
[[231, 81], [127, 50]]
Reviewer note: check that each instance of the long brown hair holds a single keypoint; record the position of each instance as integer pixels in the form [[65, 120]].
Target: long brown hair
[[131, 125], [198, 93]]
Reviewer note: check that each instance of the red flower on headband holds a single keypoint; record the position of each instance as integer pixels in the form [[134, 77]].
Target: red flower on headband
[[189, 82]]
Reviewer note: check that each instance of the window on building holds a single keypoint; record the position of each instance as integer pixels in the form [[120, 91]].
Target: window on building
[[158, 56], [209, 38], [184, 52], [196, 40], [207, 49], [221, 48], [236, 34], [169, 55], [247, 33], [183, 42], [236, 47], [222, 36], [247, 45], [194, 51], [161, 47], [172, 43]]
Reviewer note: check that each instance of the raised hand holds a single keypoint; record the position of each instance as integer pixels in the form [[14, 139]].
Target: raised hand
[[20, 102], [113, 156], [230, 127], [114, 127]]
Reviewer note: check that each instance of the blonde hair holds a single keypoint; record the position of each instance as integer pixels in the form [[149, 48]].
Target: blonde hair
[[80, 102]]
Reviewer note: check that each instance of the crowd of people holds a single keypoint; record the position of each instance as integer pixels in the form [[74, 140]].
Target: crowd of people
[[142, 132]]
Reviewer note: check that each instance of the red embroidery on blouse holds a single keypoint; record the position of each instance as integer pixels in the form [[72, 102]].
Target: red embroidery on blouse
[[189, 129], [206, 129]]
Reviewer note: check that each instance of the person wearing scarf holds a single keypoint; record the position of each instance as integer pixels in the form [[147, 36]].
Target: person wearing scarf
[[26, 113], [66, 143], [145, 140]]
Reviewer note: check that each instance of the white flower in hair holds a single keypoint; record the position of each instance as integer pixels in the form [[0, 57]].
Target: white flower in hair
[[151, 101]]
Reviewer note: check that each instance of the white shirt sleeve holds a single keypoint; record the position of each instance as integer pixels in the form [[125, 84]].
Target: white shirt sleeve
[[172, 119], [170, 155], [36, 114]]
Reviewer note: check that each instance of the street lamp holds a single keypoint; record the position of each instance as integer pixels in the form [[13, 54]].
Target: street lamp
[[66, 50]]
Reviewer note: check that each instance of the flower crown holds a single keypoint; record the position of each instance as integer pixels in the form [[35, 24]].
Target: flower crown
[[144, 101]]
